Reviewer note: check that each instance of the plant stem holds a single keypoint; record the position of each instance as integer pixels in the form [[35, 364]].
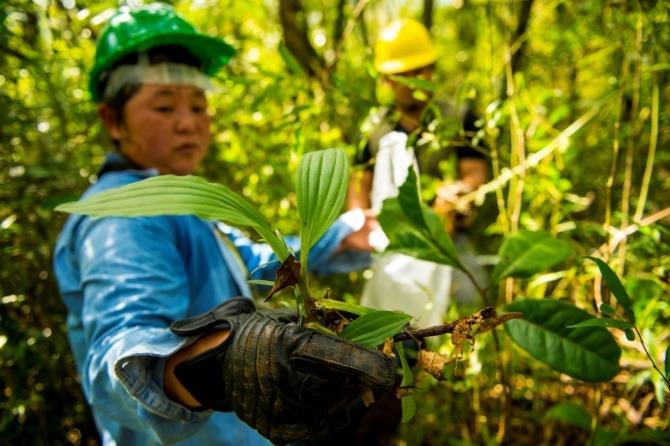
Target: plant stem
[[304, 298], [653, 363], [480, 290]]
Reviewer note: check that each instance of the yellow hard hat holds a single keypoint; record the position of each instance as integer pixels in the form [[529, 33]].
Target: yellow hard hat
[[404, 45]]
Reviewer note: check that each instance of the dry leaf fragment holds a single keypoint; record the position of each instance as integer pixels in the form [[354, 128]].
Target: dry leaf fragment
[[388, 348], [402, 392], [367, 396], [433, 363], [492, 322], [288, 274]]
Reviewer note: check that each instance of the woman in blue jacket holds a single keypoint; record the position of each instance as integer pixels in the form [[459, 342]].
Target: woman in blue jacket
[[152, 370]]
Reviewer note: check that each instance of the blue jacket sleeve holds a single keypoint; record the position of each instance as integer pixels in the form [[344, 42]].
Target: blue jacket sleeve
[[134, 285]]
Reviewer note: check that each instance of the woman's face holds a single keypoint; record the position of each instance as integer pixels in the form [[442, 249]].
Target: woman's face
[[165, 127]]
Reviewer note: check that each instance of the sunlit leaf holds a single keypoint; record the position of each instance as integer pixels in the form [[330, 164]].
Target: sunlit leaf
[[321, 187], [408, 402], [373, 328], [603, 322], [415, 82], [571, 413], [261, 282], [525, 253], [415, 229], [330, 304], [616, 287], [178, 195], [590, 354]]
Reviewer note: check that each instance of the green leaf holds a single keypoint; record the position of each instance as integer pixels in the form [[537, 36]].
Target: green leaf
[[178, 195], [650, 436], [590, 354], [616, 287], [606, 310], [291, 62], [407, 402], [415, 229], [604, 437], [603, 322], [667, 362], [331, 304], [415, 82], [630, 334], [370, 330], [526, 253], [570, 413], [262, 282], [321, 187]]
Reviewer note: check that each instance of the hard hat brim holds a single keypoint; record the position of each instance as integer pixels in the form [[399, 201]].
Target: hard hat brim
[[407, 63]]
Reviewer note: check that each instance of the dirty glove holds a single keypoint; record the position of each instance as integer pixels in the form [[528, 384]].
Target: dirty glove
[[287, 382]]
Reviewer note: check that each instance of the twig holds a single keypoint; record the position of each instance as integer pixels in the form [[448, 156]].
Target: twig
[[632, 141], [653, 363], [507, 174], [621, 234], [653, 142], [487, 313], [615, 150], [358, 9]]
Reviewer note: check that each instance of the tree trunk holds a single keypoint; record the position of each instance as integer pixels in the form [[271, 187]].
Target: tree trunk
[[427, 16], [291, 14]]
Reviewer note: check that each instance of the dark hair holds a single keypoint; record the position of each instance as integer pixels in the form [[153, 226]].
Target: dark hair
[[156, 55]]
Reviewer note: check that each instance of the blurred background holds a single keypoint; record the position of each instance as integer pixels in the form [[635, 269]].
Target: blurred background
[[582, 85]]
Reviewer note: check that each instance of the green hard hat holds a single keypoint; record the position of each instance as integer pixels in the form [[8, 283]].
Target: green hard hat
[[157, 24]]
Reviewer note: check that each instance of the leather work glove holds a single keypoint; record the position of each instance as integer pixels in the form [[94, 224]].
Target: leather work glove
[[289, 383]]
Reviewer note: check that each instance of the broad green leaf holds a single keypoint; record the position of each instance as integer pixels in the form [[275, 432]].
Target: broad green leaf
[[373, 328], [178, 195], [525, 253], [321, 187], [604, 437], [603, 322], [407, 402], [331, 304], [415, 229], [570, 413], [650, 436], [590, 354], [667, 362], [616, 287]]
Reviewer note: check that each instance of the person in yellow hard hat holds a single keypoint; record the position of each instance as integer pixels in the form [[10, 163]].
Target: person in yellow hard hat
[[405, 56], [166, 350], [405, 53]]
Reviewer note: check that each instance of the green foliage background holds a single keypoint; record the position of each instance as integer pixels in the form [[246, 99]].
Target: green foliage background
[[601, 67]]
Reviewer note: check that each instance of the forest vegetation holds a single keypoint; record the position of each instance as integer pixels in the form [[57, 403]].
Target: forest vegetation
[[572, 99]]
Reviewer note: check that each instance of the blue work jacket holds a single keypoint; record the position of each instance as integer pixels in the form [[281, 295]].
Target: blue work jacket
[[124, 280]]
